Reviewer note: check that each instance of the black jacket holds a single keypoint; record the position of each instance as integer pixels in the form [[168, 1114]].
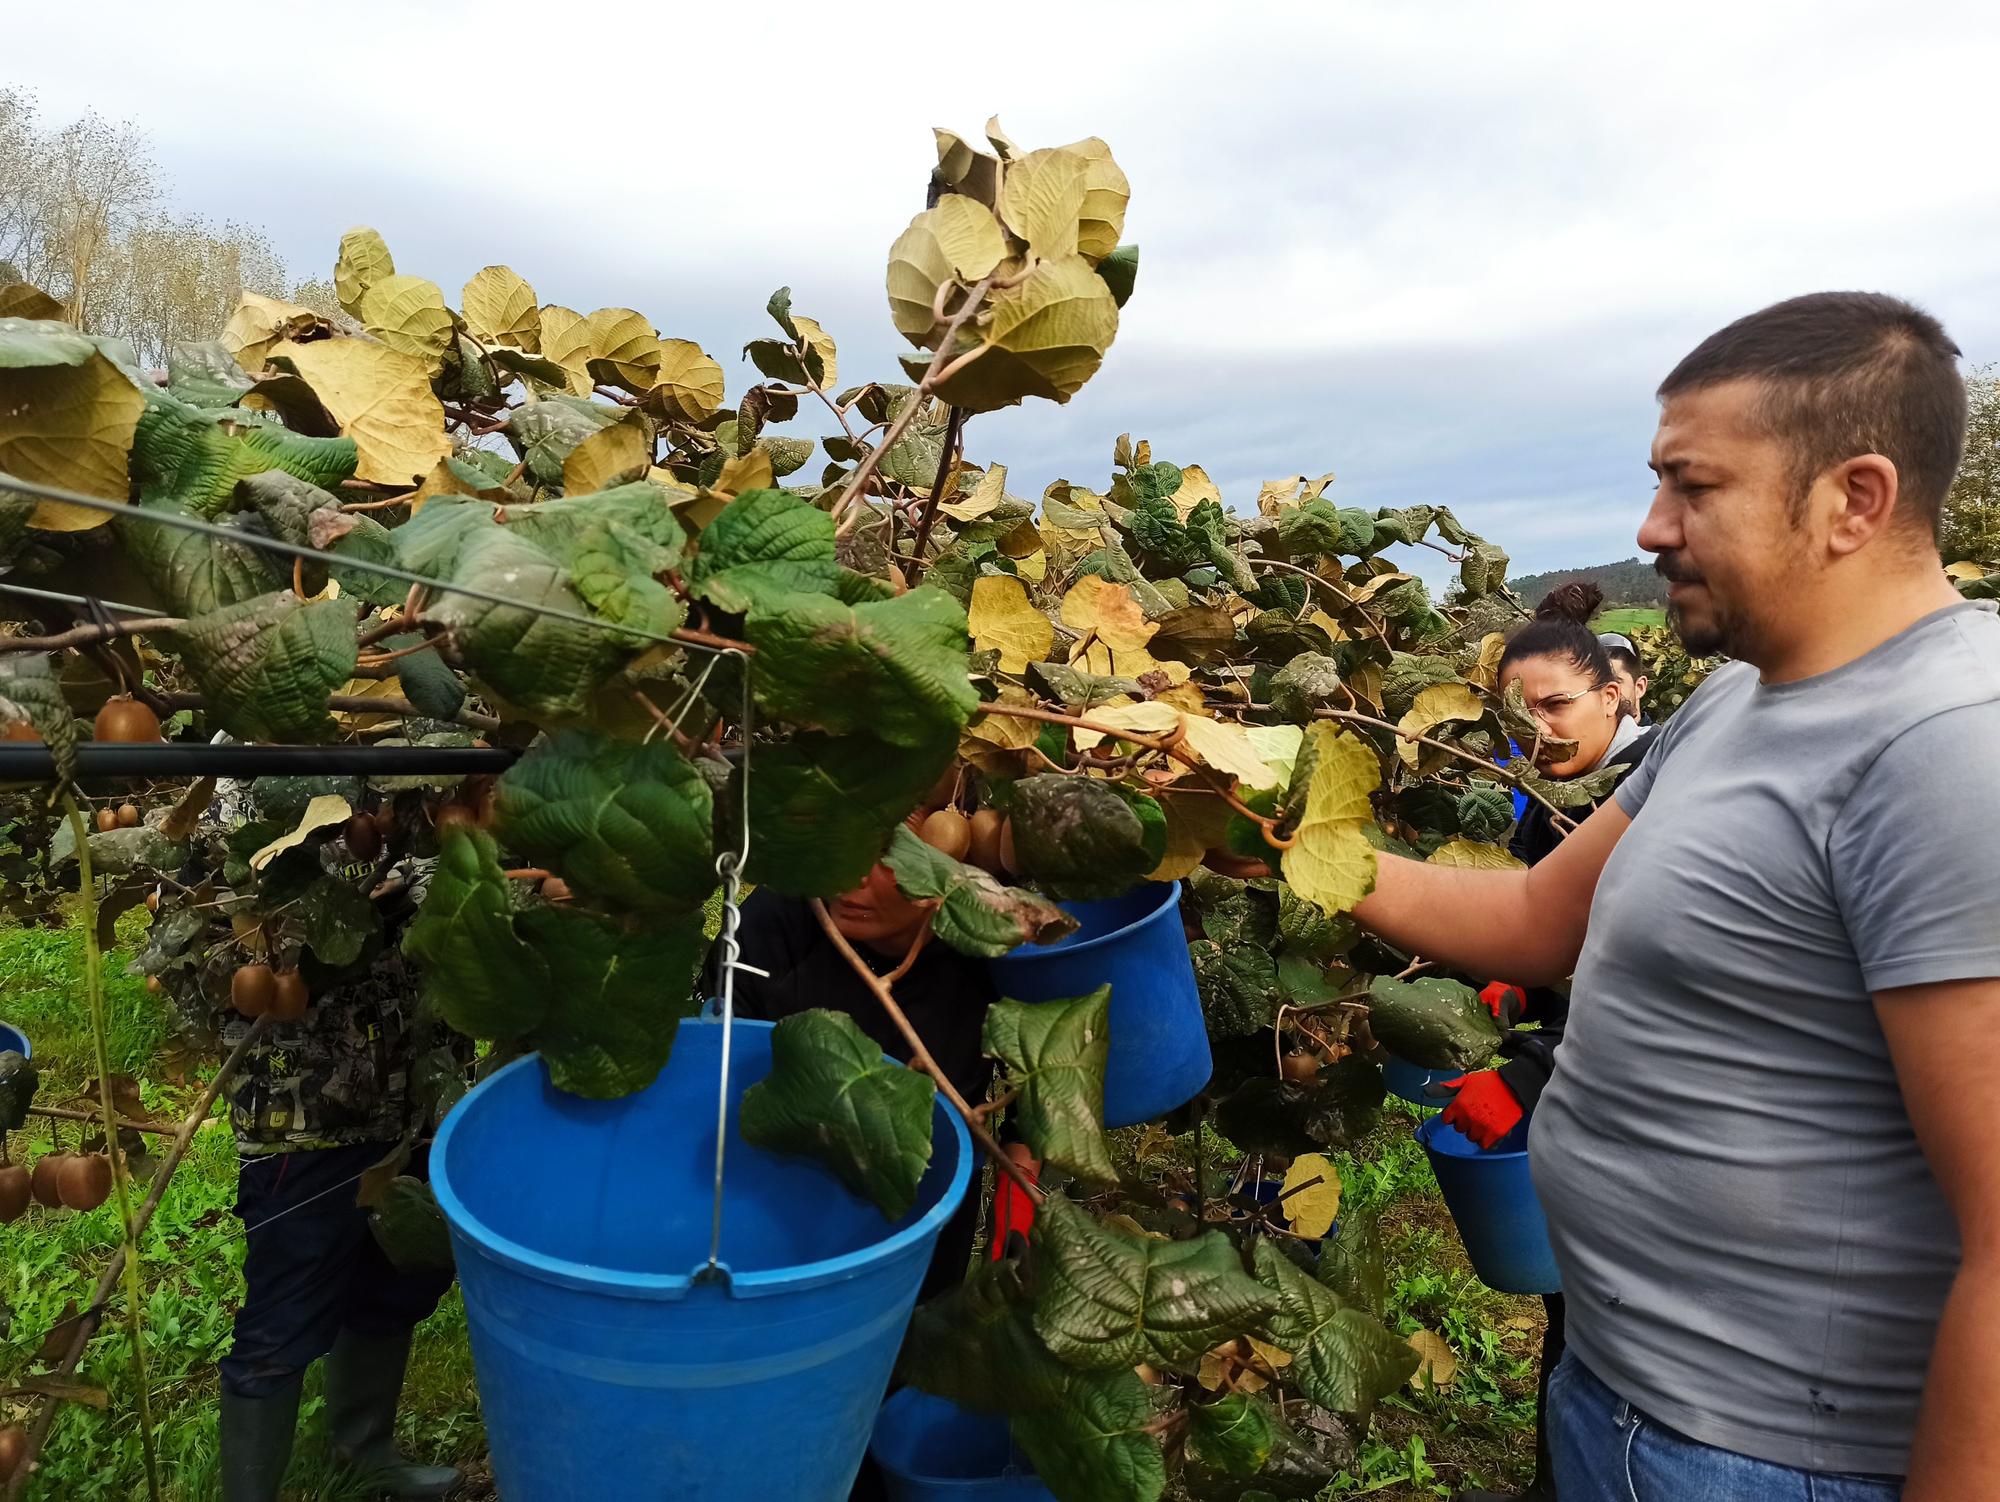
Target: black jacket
[[1531, 1056]]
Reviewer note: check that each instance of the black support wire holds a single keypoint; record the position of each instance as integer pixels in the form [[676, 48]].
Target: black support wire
[[28, 761]]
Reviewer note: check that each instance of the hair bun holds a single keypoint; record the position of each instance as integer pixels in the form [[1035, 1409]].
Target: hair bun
[[1579, 601]]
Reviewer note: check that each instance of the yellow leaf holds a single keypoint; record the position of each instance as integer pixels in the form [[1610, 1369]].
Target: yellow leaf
[[967, 168], [624, 350], [1225, 747], [381, 399], [1274, 496], [1964, 570], [364, 688], [1368, 589], [617, 452], [327, 808], [1106, 192], [259, 324], [1279, 746], [1096, 606], [1486, 672], [566, 339], [1196, 487], [364, 260], [1476, 854], [1044, 336], [689, 385], [1034, 567], [751, 471], [1003, 619], [500, 308], [1150, 718], [959, 240], [1041, 200], [1331, 864], [1269, 1354], [69, 425], [1183, 696], [1328, 624], [990, 740], [1311, 1210], [987, 494], [442, 480], [408, 314], [1196, 824], [1024, 541], [1435, 706], [822, 342], [1366, 681], [25, 300], [1437, 1366]]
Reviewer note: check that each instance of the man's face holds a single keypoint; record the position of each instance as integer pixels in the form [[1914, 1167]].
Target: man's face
[[1631, 689], [876, 913], [1722, 523]]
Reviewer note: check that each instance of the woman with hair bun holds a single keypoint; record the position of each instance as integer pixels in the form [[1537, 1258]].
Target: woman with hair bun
[[1566, 678]]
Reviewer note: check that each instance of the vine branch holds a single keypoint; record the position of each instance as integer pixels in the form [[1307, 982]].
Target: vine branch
[[954, 436], [1492, 769]]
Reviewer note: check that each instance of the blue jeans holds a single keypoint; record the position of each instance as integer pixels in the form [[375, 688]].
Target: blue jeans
[[1606, 1450]]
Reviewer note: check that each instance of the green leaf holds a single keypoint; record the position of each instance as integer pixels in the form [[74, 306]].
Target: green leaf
[[1233, 1435], [832, 1096], [823, 808], [544, 433], [1054, 1053], [617, 995], [267, 665], [409, 1227], [1311, 933], [1310, 681], [205, 374], [427, 682], [895, 668], [975, 913], [1080, 837], [1238, 984], [1266, 1115], [1350, 1262], [338, 919], [621, 820], [1485, 811], [195, 574], [31, 692], [639, 516], [762, 543], [478, 974], [1432, 1022], [1341, 1357], [1120, 271], [1093, 1445], [1107, 1299]]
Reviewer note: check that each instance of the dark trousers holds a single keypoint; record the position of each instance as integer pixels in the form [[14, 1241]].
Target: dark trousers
[[312, 1268], [1552, 1352]]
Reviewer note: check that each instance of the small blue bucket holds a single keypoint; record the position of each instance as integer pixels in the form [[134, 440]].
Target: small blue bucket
[[606, 1368], [1159, 1042], [13, 1040], [1408, 1080], [931, 1450], [1492, 1198]]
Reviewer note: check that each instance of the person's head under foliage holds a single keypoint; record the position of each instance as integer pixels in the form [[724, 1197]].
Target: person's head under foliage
[[876, 915], [1566, 678], [1629, 668]]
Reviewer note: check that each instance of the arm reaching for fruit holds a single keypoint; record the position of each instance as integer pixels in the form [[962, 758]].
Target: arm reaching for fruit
[[1525, 924]]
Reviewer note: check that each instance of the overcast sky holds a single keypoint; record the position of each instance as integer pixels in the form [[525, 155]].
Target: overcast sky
[[1443, 250]]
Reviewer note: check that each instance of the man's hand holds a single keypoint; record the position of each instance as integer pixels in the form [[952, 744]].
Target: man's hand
[[1483, 1108], [1505, 1000]]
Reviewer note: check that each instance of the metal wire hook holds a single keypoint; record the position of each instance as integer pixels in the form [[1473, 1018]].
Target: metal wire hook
[[729, 866]]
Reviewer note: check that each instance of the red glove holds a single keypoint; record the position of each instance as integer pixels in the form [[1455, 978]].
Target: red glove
[[1013, 1211], [1500, 996], [1482, 1107]]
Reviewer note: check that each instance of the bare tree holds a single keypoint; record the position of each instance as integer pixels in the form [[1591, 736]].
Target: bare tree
[[1971, 524]]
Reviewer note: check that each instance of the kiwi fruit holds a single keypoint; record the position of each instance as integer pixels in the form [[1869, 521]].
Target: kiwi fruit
[[153, 900], [107, 820], [290, 997], [16, 1190], [128, 816], [363, 837], [124, 718], [44, 1181], [1009, 861], [1299, 1068], [20, 730], [13, 1450], [454, 816], [85, 1181], [948, 830], [985, 826], [555, 889], [155, 985], [252, 989]]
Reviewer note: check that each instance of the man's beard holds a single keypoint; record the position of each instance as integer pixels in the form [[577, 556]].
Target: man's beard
[[1720, 633]]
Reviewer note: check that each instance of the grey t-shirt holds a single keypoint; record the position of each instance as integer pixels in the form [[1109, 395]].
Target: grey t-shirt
[[1752, 1245]]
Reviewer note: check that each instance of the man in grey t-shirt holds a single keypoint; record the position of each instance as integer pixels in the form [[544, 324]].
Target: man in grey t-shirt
[[1766, 1156]]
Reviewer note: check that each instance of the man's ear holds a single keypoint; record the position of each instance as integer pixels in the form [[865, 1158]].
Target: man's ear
[[1865, 494]]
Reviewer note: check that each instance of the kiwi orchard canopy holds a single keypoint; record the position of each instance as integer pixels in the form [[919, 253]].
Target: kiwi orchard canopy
[[483, 516]]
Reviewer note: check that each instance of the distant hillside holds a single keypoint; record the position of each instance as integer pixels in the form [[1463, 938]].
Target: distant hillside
[[1632, 582]]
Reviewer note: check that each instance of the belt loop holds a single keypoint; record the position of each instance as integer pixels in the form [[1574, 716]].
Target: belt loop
[[1625, 1415]]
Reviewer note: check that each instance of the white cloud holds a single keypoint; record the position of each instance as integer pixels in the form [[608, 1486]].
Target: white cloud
[[1444, 250]]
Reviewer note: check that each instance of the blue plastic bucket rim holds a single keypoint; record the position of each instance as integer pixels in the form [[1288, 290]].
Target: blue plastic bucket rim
[[1432, 1125], [9, 1032], [1171, 898], [627, 1284]]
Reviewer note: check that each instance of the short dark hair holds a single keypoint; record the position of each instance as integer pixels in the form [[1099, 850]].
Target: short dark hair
[[1847, 373], [1622, 653]]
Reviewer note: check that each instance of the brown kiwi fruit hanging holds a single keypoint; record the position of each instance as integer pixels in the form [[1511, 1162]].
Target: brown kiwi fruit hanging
[[153, 900], [986, 826], [13, 1450], [128, 816], [1299, 1068], [252, 989], [85, 1181], [16, 1190], [555, 889], [363, 837], [20, 730], [947, 830], [124, 718], [454, 816], [155, 985], [107, 820], [290, 998], [45, 1182], [1009, 862]]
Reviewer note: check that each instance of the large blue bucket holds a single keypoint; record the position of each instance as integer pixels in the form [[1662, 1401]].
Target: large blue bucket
[[1493, 1200], [605, 1368], [1409, 1081], [931, 1450], [13, 1040], [1159, 1043]]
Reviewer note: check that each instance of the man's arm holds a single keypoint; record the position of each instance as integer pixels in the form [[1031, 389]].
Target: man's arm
[[1525, 926], [1938, 1036]]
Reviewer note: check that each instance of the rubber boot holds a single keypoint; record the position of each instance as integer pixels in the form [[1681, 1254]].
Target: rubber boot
[[364, 1382], [256, 1442]]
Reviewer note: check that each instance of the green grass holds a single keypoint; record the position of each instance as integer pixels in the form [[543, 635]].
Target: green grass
[[191, 1255], [1628, 618]]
